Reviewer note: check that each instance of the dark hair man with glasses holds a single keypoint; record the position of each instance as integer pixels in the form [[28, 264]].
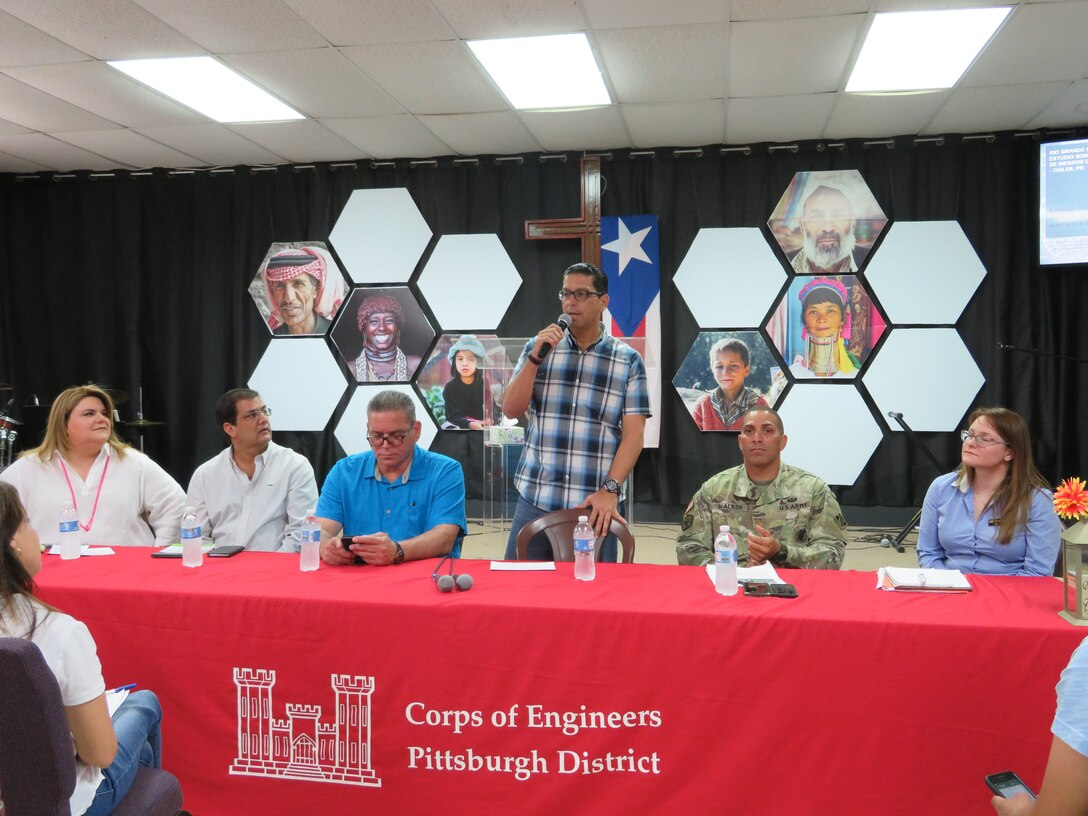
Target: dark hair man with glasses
[[397, 501], [254, 493], [587, 402]]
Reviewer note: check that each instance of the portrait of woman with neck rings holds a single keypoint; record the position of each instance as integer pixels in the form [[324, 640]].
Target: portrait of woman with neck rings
[[381, 322], [995, 513]]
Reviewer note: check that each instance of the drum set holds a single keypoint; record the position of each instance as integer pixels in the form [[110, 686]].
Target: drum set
[[34, 415]]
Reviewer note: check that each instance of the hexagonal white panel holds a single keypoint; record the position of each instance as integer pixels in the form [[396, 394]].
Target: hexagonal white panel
[[469, 282], [351, 429], [831, 431], [300, 381], [380, 236], [945, 378], [729, 277], [933, 291]]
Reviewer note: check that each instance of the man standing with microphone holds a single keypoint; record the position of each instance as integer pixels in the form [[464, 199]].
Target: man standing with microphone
[[587, 400]]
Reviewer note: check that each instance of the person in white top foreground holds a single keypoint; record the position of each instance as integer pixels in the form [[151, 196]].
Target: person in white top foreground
[[255, 493], [108, 753], [114, 488]]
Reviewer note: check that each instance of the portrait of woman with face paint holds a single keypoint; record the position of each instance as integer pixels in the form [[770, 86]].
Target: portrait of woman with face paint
[[380, 321]]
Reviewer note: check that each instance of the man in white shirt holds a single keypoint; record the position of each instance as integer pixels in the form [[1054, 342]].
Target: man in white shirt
[[255, 493]]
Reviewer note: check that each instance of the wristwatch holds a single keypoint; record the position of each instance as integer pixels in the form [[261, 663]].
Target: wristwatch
[[611, 486], [399, 557]]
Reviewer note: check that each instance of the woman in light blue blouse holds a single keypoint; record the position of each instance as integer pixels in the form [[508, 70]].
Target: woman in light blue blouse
[[995, 514]]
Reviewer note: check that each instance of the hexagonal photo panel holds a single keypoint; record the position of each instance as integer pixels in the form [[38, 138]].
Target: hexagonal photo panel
[[462, 381], [725, 374], [382, 334], [380, 236], [826, 326], [469, 282], [728, 277], [936, 291], [826, 222], [301, 382], [298, 288], [350, 431], [936, 401], [829, 431]]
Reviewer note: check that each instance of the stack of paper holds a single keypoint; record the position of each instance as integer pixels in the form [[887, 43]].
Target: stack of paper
[[764, 572], [912, 579]]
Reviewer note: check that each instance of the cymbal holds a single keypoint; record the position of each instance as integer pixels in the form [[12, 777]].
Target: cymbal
[[143, 423], [118, 396]]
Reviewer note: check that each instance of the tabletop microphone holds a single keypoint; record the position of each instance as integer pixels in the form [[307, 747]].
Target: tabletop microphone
[[564, 322], [895, 415], [447, 583]]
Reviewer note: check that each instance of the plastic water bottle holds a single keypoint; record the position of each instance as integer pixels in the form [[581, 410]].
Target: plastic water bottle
[[192, 545], [584, 568], [311, 543], [725, 562], [69, 541]]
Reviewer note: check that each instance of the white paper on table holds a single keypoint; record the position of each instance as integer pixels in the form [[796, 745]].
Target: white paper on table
[[86, 549], [523, 566], [917, 579], [764, 572], [175, 549]]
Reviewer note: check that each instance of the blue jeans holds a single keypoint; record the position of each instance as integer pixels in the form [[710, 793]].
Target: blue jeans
[[138, 725], [540, 549]]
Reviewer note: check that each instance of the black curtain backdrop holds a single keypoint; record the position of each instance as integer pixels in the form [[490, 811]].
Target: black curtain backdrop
[[140, 280]]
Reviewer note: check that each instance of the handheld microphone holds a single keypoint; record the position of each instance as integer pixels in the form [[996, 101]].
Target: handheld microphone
[[564, 323], [447, 583]]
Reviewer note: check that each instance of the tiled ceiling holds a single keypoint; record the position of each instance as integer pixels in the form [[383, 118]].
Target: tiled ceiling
[[384, 79]]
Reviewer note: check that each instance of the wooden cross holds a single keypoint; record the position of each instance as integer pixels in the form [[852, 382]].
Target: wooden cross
[[588, 227]]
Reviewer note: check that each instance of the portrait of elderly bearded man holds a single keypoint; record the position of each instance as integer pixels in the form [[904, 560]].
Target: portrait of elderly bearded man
[[303, 296], [827, 225]]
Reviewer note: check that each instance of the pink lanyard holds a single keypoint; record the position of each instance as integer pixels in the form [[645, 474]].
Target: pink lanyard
[[90, 522]]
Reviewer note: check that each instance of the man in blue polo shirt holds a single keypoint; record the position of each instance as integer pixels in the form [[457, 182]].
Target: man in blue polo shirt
[[397, 501]]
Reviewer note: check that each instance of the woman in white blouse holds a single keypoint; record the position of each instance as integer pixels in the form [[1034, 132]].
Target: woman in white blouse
[[121, 496]]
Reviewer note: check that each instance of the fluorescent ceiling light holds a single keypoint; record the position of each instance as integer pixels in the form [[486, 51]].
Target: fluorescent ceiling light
[[208, 86], [922, 50], [544, 72]]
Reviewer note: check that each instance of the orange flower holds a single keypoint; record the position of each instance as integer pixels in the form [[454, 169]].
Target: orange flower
[[1071, 499]]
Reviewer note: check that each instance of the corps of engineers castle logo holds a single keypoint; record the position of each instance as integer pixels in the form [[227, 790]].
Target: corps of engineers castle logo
[[301, 746]]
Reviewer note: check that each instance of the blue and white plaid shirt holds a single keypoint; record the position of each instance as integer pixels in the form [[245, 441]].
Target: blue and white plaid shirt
[[576, 419]]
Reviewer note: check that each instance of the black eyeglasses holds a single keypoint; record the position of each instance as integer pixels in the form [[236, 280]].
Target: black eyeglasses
[[580, 295], [981, 441], [396, 439], [251, 416]]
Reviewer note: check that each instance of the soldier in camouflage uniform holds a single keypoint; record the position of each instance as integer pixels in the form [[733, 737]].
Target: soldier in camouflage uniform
[[777, 513]]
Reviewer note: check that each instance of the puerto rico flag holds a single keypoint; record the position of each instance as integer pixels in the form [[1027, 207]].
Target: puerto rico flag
[[630, 257]]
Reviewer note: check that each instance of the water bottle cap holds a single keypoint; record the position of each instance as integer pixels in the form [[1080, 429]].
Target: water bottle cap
[[583, 519], [724, 528]]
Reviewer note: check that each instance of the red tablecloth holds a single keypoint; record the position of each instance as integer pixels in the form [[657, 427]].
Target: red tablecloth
[[362, 689]]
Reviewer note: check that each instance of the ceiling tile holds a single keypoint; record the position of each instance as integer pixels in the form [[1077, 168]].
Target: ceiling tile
[[1038, 43], [225, 27], [319, 82], [638, 13], [861, 116], [1005, 107], [359, 22], [788, 9], [674, 63], [15, 164], [390, 137], [48, 152], [106, 92], [679, 124], [214, 144], [23, 44], [436, 77], [304, 141], [481, 19], [777, 119], [477, 134], [1070, 107], [780, 57], [126, 147], [589, 129], [105, 29], [39, 110]]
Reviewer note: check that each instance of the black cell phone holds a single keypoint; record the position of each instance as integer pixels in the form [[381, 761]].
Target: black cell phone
[[764, 589], [346, 541], [225, 550], [1008, 784]]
